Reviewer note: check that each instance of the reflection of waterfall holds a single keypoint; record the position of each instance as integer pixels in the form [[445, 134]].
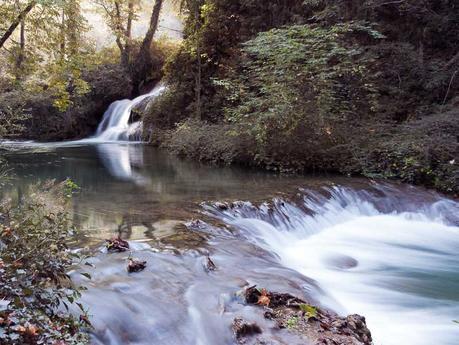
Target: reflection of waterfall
[[378, 255], [121, 161], [115, 123]]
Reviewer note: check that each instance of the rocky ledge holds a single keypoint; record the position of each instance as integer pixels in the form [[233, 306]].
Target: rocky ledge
[[309, 324]]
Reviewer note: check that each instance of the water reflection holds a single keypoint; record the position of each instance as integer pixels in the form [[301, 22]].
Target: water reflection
[[132, 186], [123, 161]]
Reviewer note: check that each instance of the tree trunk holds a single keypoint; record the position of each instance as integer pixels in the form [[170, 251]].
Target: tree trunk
[[62, 33], [142, 63], [73, 11], [154, 20], [21, 54], [120, 32], [199, 62], [16, 22], [128, 34], [198, 83]]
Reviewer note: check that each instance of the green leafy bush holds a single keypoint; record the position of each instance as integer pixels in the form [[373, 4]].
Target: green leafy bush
[[12, 119], [35, 290], [299, 86], [222, 144]]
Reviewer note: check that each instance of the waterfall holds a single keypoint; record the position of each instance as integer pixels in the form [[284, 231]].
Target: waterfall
[[385, 256], [115, 124]]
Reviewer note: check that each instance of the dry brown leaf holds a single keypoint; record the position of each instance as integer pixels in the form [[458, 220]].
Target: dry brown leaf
[[32, 331], [264, 299]]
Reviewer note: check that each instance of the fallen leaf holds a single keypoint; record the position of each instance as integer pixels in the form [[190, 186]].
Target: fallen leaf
[[264, 299], [31, 331]]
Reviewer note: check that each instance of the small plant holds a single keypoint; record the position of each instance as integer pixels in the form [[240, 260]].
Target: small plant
[[292, 322], [308, 310], [70, 188]]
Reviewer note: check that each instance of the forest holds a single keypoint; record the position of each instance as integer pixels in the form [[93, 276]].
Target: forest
[[354, 87], [199, 98]]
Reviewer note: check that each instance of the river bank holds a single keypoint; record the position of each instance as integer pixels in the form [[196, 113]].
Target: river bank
[[421, 153], [355, 87]]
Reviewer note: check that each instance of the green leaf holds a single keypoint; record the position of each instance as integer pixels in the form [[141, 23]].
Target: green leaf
[[309, 310]]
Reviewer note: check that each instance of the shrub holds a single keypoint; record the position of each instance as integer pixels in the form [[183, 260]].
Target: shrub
[[35, 289], [298, 87], [222, 144], [422, 151], [12, 119]]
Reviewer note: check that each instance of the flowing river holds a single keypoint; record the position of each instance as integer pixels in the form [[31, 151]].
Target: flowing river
[[389, 252]]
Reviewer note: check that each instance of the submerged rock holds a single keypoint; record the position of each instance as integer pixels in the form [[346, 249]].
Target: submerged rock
[[221, 206], [136, 265], [117, 244], [243, 329]]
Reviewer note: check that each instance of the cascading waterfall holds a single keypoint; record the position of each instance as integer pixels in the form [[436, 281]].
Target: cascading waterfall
[[390, 259], [115, 124]]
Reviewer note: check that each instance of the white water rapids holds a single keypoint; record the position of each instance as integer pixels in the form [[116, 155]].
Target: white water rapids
[[393, 261]]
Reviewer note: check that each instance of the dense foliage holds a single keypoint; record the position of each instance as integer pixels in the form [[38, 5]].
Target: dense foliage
[[357, 87], [299, 87], [52, 74], [47, 46], [35, 290]]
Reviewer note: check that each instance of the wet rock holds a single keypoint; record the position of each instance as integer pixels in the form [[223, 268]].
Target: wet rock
[[253, 295], [117, 244], [357, 324], [85, 320], [243, 329], [341, 262], [136, 265], [196, 224], [315, 325], [210, 265], [221, 206]]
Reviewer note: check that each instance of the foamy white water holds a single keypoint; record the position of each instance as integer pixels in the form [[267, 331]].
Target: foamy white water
[[115, 124], [397, 267]]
